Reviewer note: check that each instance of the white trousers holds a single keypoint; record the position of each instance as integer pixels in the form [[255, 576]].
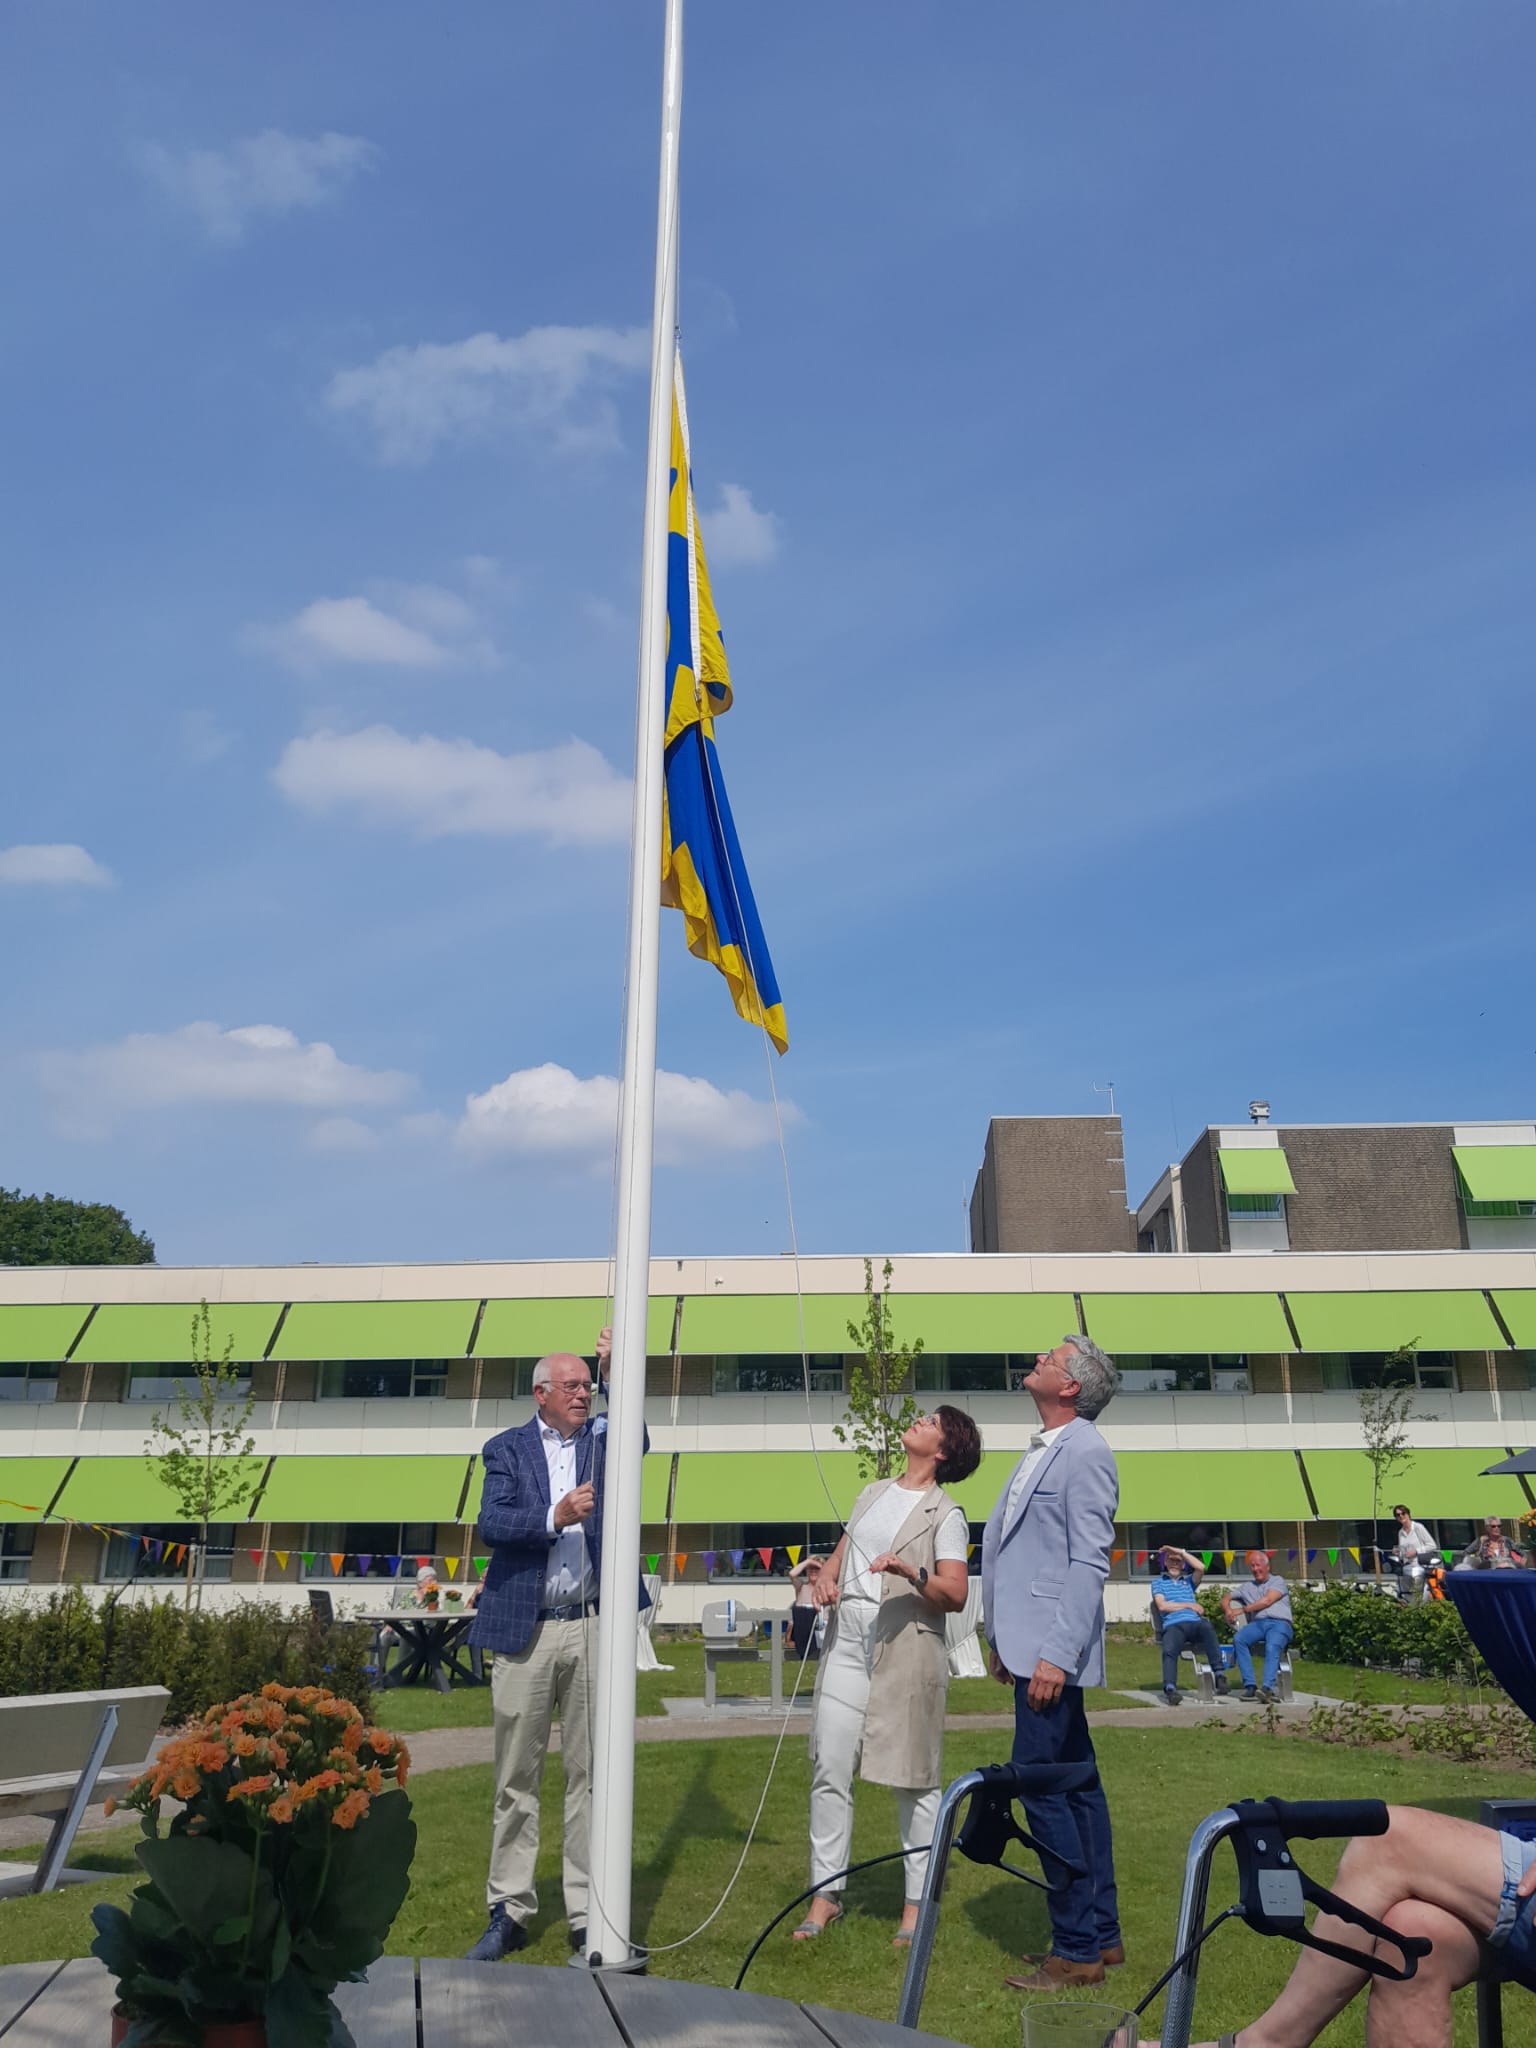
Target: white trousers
[[840, 1709], [553, 1670]]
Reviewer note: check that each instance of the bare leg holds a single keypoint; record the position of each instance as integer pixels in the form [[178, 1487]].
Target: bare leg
[[1418, 2014], [1425, 1860]]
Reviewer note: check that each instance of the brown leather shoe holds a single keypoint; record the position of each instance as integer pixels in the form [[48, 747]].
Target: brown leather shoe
[[1058, 1973], [1111, 1958]]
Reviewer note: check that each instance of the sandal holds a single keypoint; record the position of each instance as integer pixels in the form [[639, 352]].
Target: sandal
[[902, 1938], [812, 1930]]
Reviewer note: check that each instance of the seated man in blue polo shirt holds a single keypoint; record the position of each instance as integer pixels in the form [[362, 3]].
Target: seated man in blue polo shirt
[[1260, 1614], [1174, 1595]]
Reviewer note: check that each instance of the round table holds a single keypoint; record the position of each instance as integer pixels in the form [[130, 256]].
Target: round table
[[431, 2003]]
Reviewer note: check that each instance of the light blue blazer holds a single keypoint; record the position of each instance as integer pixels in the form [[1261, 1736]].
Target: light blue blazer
[[1042, 1575]]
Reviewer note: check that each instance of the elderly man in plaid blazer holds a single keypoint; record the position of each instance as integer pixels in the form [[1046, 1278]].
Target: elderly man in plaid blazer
[[541, 1517]]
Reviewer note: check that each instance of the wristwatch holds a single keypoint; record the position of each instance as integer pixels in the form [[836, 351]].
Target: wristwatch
[[922, 1577]]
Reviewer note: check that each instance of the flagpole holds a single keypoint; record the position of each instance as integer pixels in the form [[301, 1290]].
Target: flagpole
[[613, 1706]]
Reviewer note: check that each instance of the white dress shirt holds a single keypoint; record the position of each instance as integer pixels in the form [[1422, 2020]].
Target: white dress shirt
[[1039, 1444], [568, 1577]]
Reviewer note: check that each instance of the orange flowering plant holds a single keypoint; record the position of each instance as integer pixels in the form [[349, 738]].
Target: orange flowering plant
[[278, 1878]]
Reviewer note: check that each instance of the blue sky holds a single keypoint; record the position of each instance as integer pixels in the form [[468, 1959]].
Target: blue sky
[[1113, 435]]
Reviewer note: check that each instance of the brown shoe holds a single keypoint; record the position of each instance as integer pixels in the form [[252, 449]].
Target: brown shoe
[[1111, 1958], [1058, 1973]]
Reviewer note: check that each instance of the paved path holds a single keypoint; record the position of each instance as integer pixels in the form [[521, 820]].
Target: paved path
[[446, 1749]]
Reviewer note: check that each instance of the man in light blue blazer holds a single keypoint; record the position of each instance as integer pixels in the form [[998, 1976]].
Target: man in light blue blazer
[[1044, 1561]]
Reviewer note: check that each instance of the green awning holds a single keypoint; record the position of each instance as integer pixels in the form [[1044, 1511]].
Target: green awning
[[982, 1322], [1386, 1322], [736, 1324], [1498, 1173], [38, 1336], [427, 1488], [1518, 1308], [130, 1490], [1174, 1323], [765, 1486], [535, 1328], [1255, 1170], [1443, 1481], [376, 1329], [161, 1333], [1219, 1486], [27, 1485]]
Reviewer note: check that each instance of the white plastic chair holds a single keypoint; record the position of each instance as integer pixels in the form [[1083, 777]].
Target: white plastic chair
[[645, 1649], [961, 1641]]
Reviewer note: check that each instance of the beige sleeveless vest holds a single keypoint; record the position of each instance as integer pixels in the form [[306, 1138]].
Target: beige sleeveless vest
[[909, 1678]]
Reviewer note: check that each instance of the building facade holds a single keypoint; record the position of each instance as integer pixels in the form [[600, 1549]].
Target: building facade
[[376, 1387]]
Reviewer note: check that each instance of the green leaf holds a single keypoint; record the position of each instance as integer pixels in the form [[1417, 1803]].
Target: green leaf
[[298, 2014], [282, 1949], [204, 1882], [232, 1930], [114, 1943]]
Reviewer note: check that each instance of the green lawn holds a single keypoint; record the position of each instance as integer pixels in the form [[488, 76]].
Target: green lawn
[[1138, 1662], [693, 1801]]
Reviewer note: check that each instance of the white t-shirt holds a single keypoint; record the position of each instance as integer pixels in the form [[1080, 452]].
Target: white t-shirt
[[877, 1531]]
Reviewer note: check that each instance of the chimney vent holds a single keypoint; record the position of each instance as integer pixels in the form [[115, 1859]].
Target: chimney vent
[[1259, 1112]]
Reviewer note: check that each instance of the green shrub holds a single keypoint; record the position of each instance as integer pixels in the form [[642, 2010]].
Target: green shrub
[[1341, 1626], [67, 1644]]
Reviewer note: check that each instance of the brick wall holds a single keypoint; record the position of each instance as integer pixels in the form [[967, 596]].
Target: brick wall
[[1055, 1184]]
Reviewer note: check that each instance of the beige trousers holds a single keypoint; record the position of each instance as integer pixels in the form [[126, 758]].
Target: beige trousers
[[553, 1669]]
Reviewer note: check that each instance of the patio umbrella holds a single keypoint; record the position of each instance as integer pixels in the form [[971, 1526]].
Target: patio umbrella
[[1522, 1461]]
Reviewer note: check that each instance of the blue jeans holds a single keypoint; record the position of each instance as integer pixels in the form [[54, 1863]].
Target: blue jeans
[[1275, 1634], [1188, 1633], [1085, 1912]]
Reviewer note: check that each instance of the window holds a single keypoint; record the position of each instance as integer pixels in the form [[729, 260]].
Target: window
[[160, 1382], [128, 1557], [1238, 1537], [779, 1373], [1349, 1371], [365, 1549], [16, 1539], [29, 1382], [1193, 1373], [1244, 1207], [392, 1379], [1476, 1209], [967, 1372]]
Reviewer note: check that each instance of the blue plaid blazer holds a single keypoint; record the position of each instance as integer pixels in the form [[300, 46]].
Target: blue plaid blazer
[[514, 1509]]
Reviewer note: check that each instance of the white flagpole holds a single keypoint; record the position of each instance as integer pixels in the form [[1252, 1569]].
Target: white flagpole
[[613, 1720]]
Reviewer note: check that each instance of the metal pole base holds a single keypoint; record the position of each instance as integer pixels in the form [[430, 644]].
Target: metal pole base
[[632, 1965]]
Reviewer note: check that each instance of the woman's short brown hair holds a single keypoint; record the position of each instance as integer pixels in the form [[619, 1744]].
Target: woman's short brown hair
[[962, 1445]]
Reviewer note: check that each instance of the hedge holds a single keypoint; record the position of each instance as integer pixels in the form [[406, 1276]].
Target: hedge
[[68, 1644], [1341, 1625]]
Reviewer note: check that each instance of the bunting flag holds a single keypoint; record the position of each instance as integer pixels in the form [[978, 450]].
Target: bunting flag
[[1141, 1558], [1114, 1556], [1354, 1553], [709, 1564], [338, 1559], [681, 1561], [765, 1552], [652, 1562], [736, 1557], [1290, 1556], [1333, 1557], [480, 1565], [970, 1552], [307, 1559], [256, 1556], [365, 1562], [394, 1566], [421, 1561], [702, 871], [1205, 1558], [1311, 1557], [282, 1559], [453, 1566], [792, 1552], [156, 1549]]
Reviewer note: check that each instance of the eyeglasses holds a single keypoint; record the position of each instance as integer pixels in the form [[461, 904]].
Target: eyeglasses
[[569, 1386]]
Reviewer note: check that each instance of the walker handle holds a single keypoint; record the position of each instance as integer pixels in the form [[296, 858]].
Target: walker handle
[[1313, 1819]]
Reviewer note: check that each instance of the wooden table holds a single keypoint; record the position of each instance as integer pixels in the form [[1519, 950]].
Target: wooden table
[[436, 2004], [433, 1649]]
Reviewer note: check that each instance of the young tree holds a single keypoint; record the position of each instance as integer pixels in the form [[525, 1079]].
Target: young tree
[[47, 1230], [881, 1403], [200, 1457], [1386, 1411]]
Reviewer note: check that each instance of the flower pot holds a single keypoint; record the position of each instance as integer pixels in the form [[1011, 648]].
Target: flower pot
[[222, 2033]]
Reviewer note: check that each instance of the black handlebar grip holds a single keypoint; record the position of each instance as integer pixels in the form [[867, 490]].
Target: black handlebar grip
[[1021, 1779], [1313, 1819]]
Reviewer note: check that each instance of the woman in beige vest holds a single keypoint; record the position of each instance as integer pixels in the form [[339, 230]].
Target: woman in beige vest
[[899, 1569]]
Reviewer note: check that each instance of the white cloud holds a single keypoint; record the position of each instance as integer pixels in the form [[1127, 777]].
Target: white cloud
[[263, 175], [350, 629], [736, 531], [451, 788], [551, 380], [261, 1064], [203, 738], [549, 1112], [341, 1134], [53, 867]]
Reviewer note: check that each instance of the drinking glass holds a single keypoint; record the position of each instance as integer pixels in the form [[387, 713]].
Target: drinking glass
[[1066, 2023]]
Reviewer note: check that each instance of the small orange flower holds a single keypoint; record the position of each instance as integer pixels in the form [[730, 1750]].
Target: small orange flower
[[249, 1788], [350, 1811], [374, 1779], [212, 1756], [279, 1756], [245, 1745], [110, 1808], [281, 1810], [186, 1784], [352, 1738], [380, 1742]]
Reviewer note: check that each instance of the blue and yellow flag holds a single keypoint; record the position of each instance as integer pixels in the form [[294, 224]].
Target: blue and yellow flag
[[701, 866]]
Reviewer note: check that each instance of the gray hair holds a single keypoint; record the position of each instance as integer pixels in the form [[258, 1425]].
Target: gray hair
[[542, 1373], [1097, 1375]]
